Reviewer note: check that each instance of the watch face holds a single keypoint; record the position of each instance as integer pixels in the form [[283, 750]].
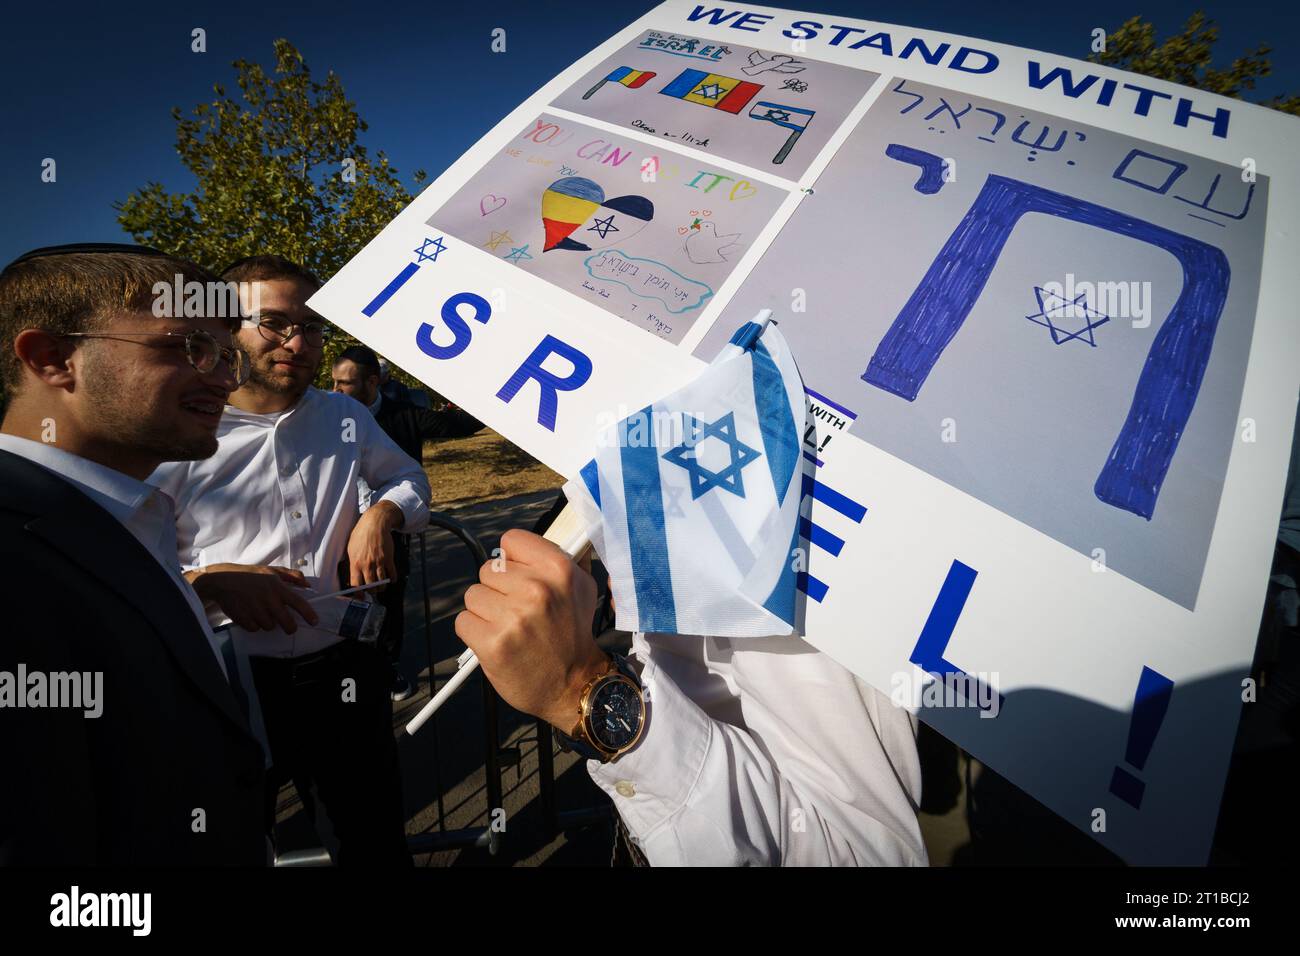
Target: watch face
[[615, 714]]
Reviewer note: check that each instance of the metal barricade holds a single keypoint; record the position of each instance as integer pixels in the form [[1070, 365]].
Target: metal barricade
[[439, 837], [442, 838], [553, 819], [488, 836]]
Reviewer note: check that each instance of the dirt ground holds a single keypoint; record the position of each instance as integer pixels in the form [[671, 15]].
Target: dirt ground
[[482, 467]]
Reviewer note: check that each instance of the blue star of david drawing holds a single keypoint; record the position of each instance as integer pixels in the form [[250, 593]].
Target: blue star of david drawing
[[423, 252], [702, 479], [712, 91], [604, 226], [1046, 311], [777, 116], [519, 253]]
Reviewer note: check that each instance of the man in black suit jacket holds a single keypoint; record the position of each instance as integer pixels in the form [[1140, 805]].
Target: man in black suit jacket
[[146, 756], [356, 373]]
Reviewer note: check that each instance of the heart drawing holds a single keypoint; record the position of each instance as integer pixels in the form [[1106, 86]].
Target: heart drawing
[[577, 216]]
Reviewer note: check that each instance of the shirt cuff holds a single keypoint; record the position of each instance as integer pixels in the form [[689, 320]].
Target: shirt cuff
[[653, 781], [414, 510]]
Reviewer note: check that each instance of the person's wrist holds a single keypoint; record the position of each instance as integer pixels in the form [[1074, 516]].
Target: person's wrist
[[206, 581], [596, 665], [387, 514], [198, 581]]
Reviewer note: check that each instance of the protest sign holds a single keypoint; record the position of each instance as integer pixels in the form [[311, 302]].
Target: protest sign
[[1044, 311]]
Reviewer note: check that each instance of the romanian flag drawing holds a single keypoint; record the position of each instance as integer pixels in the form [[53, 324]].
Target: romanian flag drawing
[[724, 93], [632, 79]]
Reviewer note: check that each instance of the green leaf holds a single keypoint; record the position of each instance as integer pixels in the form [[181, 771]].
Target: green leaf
[[1186, 58]]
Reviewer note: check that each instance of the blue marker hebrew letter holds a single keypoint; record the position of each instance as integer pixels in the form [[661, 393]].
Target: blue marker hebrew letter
[[1205, 203], [919, 98], [1041, 141], [1176, 169], [996, 126], [931, 180], [1175, 364], [956, 117]]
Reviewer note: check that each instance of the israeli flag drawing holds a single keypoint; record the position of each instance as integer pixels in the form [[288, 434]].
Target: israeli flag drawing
[[693, 502]]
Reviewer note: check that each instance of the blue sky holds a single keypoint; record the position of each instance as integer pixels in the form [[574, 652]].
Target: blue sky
[[92, 85]]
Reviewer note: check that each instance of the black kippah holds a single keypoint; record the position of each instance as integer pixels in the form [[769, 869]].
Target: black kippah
[[82, 248]]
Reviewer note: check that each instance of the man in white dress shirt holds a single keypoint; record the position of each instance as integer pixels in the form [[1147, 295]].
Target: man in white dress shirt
[[756, 751], [272, 518]]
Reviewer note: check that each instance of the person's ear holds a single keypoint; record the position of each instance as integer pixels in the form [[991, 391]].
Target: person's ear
[[46, 356], [373, 380]]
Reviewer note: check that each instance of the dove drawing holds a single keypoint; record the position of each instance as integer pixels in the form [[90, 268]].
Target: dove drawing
[[704, 245]]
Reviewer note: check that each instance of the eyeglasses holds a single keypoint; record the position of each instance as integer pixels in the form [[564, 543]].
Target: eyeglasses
[[276, 329], [201, 348]]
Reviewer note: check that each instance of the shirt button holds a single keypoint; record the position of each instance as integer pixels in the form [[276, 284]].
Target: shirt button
[[625, 788], [297, 514]]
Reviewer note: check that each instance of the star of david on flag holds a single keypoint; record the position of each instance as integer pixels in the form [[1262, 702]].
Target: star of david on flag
[[702, 479], [720, 560], [724, 93], [791, 117]]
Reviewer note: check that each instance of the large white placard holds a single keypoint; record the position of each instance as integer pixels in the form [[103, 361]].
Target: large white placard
[[1043, 309]]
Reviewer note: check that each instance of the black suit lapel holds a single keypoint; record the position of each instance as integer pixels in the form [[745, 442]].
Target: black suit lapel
[[91, 538]]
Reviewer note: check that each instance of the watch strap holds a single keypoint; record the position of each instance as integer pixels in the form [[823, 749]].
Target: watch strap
[[580, 747]]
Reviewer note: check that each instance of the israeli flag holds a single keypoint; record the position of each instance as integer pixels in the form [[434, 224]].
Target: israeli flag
[[693, 502]]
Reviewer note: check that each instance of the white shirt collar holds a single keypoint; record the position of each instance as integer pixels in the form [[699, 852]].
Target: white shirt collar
[[270, 418], [145, 510], [120, 495]]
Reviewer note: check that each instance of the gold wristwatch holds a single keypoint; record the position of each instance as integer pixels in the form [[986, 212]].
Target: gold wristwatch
[[611, 714]]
